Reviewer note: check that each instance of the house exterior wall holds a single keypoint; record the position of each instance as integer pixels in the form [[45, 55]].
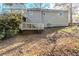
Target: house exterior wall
[[55, 18], [49, 18]]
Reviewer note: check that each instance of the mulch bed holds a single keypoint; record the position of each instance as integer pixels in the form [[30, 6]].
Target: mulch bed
[[67, 44]]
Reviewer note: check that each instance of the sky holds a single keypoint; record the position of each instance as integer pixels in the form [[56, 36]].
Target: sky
[[44, 5], [31, 5], [0, 7]]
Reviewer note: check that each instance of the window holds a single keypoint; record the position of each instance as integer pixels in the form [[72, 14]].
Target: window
[[30, 13], [61, 14]]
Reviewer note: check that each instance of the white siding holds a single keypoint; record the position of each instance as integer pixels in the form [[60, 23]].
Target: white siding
[[56, 18], [49, 18], [34, 16]]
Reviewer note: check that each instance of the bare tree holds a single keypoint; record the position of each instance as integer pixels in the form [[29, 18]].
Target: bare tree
[[66, 6], [61, 6], [41, 5]]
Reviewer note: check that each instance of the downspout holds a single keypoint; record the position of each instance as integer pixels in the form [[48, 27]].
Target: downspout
[[70, 13], [42, 20]]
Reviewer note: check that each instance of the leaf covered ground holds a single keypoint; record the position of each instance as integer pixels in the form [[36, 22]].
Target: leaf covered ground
[[67, 43]]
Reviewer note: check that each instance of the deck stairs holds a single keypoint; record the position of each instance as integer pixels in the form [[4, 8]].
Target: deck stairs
[[28, 25]]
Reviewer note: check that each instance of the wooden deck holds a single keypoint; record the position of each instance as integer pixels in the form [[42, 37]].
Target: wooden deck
[[31, 26]]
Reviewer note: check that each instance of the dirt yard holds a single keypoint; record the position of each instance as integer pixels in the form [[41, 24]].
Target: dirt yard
[[37, 44]]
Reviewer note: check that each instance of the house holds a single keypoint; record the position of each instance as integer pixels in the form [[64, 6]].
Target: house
[[38, 19], [46, 17]]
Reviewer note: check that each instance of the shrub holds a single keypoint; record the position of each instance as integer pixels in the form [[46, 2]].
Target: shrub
[[9, 25]]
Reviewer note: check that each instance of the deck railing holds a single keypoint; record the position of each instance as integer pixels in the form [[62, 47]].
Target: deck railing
[[31, 26]]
